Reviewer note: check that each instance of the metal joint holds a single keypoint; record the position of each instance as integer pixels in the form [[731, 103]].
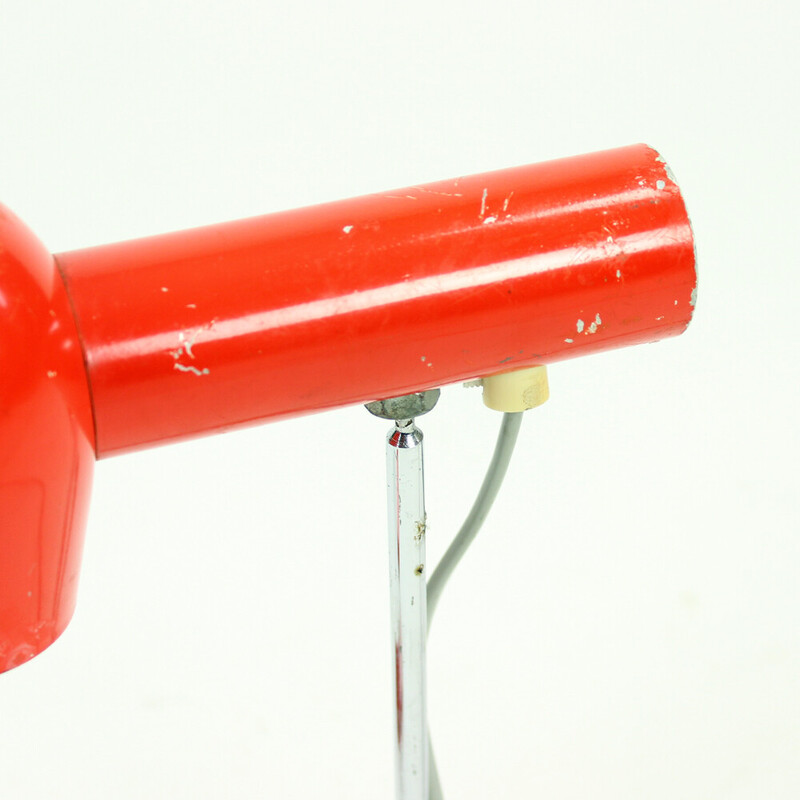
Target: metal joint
[[406, 406]]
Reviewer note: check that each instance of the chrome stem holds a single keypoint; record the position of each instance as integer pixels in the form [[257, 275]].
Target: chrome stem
[[407, 576]]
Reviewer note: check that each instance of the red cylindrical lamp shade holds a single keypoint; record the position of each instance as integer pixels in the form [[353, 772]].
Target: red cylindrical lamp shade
[[381, 295], [133, 344]]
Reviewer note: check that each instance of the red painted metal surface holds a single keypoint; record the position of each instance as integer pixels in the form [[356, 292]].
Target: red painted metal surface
[[270, 317], [376, 296], [48, 447]]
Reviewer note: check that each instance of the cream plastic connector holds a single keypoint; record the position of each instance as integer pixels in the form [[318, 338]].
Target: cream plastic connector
[[516, 391]]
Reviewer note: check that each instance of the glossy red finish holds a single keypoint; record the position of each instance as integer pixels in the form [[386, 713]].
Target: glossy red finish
[[342, 303], [47, 436], [270, 317]]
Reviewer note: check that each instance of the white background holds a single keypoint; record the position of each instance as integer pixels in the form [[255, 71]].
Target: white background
[[628, 624]]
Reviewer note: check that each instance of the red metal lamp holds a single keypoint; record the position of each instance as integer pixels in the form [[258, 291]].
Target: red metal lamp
[[130, 345]]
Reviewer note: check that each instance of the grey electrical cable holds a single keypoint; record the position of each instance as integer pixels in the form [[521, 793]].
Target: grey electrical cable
[[506, 439]]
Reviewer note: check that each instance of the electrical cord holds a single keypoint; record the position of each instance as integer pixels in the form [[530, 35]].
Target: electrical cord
[[506, 439]]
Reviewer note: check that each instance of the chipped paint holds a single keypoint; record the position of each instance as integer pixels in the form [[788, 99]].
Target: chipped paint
[[483, 203], [667, 169], [579, 326], [422, 358], [489, 220], [193, 370], [186, 341], [595, 325], [619, 274], [51, 373], [693, 297], [659, 318], [660, 185], [507, 201], [433, 191], [347, 228], [569, 341]]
